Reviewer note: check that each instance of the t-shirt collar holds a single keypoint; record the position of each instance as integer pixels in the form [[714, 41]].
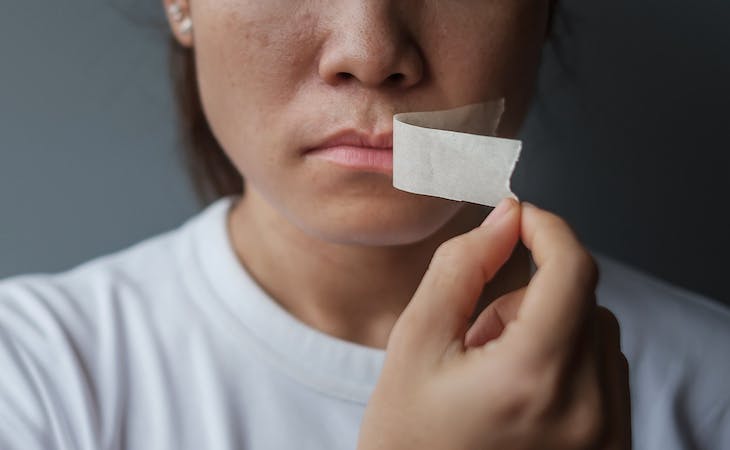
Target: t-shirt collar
[[323, 362]]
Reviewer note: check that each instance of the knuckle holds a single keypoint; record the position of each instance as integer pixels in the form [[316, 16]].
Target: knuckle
[[444, 267], [449, 253], [452, 263], [534, 395], [524, 396], [540, 400]]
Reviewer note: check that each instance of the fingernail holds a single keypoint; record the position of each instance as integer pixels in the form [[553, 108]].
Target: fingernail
[[500, 211]]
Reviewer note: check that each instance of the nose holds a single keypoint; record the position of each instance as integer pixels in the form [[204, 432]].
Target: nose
[[370, 46]]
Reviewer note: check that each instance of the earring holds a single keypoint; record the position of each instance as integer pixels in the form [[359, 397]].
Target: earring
[[186, 25], [176, 14]]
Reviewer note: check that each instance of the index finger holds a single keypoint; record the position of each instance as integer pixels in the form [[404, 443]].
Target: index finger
[[561, 294]]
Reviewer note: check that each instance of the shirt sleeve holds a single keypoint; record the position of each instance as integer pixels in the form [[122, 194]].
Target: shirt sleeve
[[713, 429], [23, 421], [44, 401]]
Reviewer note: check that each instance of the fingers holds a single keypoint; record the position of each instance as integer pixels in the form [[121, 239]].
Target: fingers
[[621, 413], [494, 318], [443, 304], [616, 381], [589, 388], [600, 413], [561, 293]]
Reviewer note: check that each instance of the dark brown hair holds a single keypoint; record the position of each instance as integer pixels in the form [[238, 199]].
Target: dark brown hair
[[211, 171]]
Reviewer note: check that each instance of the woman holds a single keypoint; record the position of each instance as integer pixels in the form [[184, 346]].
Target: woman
[[320, 307]]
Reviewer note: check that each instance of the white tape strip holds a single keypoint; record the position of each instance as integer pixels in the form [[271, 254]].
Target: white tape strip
[[451, 154]]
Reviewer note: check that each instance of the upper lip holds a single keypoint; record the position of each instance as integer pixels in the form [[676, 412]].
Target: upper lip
[[355, 138]]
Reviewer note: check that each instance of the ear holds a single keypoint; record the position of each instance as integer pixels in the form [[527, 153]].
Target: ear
[[180, 20]]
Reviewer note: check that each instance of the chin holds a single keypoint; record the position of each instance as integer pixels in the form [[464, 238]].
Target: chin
[[379, 222]]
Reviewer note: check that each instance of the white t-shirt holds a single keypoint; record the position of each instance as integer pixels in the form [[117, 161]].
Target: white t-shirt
[[170, 344]]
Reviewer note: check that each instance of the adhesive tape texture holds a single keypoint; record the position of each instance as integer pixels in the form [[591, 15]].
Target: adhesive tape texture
[[453, 154]]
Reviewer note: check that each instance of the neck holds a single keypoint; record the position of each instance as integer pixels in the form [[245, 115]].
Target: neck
[[352, 292]]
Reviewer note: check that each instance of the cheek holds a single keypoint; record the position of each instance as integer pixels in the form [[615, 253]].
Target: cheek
[[250, 58], [490, 53]]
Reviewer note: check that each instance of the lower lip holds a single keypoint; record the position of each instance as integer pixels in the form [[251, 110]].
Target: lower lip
[[357, 158]]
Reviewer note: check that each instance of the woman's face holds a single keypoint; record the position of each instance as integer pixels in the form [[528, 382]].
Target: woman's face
[[279, 77]]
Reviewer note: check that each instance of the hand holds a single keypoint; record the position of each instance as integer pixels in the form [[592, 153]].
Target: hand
[[540, 367]]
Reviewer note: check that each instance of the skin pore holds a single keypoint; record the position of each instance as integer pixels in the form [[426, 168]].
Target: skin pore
[[342, 250]]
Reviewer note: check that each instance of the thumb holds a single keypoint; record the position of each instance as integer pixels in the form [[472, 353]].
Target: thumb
[[442, 306]]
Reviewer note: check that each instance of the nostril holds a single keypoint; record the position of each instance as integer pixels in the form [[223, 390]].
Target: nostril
[[393, 79], [396, 78]]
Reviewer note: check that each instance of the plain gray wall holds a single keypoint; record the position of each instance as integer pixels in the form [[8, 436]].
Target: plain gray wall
[[627, 138]]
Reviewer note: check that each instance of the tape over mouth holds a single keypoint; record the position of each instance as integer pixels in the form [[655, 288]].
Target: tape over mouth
[[453, 154]]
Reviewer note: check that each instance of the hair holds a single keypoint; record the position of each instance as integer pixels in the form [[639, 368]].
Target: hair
[[211, 172]]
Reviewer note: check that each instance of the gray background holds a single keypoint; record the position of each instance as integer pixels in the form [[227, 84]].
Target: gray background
[[627, 138]]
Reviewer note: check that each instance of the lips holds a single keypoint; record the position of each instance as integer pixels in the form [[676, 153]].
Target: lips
[[356, 150]]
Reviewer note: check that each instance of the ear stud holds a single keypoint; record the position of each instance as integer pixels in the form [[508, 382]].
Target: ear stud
[[186, 25], [183, 21]]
